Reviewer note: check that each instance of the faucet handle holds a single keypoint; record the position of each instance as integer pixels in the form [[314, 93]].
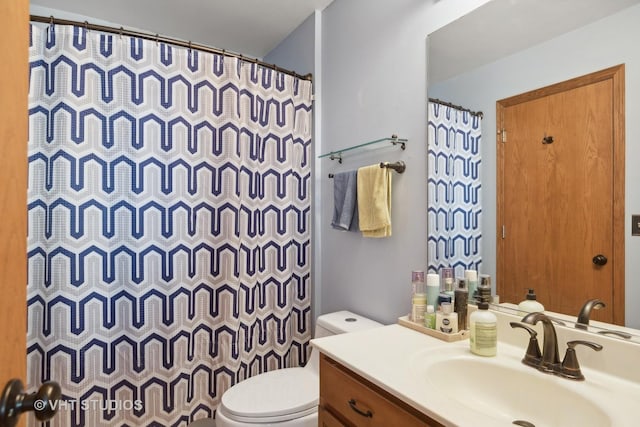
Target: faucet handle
[[570, 365], [533, 356], [620, 334]]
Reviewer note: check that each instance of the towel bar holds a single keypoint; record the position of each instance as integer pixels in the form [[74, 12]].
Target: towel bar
[[399, 167]]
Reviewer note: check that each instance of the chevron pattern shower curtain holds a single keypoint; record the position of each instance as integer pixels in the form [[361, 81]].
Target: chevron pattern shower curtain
[[169, 229], [454, 187]]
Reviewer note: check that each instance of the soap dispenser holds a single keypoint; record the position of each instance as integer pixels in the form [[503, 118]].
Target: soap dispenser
[[530, 305], [483, 327]]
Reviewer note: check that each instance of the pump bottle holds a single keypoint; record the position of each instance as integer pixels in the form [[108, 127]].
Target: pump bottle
[[483, 328], [530, 304]]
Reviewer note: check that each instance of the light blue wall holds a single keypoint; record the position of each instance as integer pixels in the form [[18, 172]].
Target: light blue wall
[[374, 85], [368, 58], [370, 82], [369, 66], [300, 52], [296, 52], [373, 62], [607, 42], [374, 65]]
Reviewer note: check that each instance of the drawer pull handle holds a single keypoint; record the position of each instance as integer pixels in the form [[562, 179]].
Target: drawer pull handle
[[354, 406]]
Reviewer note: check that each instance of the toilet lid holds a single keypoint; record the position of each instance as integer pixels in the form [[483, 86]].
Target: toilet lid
[[276, 395]]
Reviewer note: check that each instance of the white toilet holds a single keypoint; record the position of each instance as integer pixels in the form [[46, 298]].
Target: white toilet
[[285, 397]]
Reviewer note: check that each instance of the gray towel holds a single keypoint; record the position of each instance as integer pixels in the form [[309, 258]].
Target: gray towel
[[345, 201]]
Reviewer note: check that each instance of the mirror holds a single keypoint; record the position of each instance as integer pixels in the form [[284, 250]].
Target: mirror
[[508, 47], [563, 320]]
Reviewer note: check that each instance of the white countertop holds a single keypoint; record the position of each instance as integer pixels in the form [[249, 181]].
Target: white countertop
[[376, 354], [391, 357]]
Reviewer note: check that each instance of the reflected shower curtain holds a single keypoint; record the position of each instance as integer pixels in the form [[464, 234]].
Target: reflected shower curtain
[[453, 203], [169, 231]]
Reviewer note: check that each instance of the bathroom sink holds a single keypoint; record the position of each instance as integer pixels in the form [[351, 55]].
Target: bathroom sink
[[514, 394], [503, 391]]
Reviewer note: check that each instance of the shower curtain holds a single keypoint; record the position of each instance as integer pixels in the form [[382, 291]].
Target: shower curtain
[[454, 206], [169, 230]]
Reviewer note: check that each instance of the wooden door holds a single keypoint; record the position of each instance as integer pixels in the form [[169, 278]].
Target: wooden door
[[561, 194], [14, 72]]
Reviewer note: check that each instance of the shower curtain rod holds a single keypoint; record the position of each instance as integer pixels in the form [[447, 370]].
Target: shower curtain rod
[[448, 104], [158, 38]]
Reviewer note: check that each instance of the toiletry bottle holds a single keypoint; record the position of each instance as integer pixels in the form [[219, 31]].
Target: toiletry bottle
[[433, 289], [417, 278], [446, 276], [530, 305], [483, 331], [460, 304], [430, 317], [446, 282], [484, 288], [419, 297], [471, 276], [444, 298], [447, 320]]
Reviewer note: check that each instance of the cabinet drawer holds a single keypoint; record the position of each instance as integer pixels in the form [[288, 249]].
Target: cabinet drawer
[[360, 403], [325, 419]]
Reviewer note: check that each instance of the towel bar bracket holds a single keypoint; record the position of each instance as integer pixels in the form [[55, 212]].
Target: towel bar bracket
[[399, 167]]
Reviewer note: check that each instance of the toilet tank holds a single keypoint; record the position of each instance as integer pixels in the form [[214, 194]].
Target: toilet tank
[[342, 322], [339, 322]]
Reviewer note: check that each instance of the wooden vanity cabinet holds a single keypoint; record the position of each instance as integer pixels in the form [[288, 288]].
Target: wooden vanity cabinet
[[347, 399]]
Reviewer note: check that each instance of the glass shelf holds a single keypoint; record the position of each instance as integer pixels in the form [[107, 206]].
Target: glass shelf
[[394, 140]]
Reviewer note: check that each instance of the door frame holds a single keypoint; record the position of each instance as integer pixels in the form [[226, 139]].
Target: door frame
[[616, 75], [14, 82]]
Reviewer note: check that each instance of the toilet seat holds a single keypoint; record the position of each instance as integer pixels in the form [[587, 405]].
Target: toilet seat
[[275, 396]]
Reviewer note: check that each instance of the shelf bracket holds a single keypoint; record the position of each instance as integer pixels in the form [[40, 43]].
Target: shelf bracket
[[394, 140], [336, 156]]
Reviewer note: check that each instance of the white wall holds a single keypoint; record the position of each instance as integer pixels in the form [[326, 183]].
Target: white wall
[[605, 43]]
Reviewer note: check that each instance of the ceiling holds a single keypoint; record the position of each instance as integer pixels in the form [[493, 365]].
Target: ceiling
[[249, 27], [502, 27], [254, 27]]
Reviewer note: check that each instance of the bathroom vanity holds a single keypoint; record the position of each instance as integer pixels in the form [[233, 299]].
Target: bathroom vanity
[[347, 398], [395, 376]]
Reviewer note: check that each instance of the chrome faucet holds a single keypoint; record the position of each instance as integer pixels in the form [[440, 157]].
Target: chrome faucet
[[585, 312], [550, 358]]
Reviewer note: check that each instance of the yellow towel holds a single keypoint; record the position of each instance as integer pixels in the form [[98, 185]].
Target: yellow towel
[[374, 201]]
